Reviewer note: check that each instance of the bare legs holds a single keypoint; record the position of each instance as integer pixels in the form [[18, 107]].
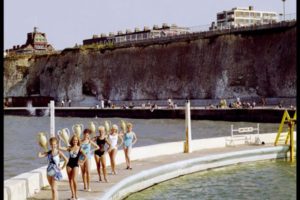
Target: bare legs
[[53, 185], [85, 171], [112, 156], [127, 151], [101, 161], [97, 159], [72, 175]]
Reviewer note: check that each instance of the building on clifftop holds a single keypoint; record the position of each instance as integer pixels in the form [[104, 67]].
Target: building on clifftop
[[138, 34], [241, 17], [36, 43]]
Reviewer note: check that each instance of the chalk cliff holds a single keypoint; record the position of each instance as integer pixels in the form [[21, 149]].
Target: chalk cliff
[[245, 64]]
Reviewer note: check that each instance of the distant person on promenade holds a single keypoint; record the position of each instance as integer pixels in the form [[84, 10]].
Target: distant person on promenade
[[293, 107], [129, 139], [113, 139], [53, 169], [109, 103], [263, 101], [279, 105], [102, 103], [86, 146], [100, 154], [69, 102], [153, 106], [62, 103], [72, 167], [143, 105], [253, 104], [131, 105], [148, 104], [6, 103], [170, 103], [223, 103]]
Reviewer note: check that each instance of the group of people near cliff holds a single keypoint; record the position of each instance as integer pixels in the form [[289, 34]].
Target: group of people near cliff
[[235, 104], [80, 152]]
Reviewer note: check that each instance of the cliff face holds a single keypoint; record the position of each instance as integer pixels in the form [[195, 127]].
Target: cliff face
[[224, 66], [15, 75]]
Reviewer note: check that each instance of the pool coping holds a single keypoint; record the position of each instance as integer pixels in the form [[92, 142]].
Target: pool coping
[[159, 174]]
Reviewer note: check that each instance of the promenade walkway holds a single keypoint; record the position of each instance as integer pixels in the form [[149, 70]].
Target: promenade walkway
[[99, 188]]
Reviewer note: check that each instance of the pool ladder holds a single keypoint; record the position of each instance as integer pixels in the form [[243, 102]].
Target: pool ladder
[[287, 138]]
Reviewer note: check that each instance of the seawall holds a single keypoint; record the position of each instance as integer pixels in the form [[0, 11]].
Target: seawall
[[266, 115]]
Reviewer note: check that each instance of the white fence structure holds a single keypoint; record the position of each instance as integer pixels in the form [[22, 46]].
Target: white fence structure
[[244, 134]]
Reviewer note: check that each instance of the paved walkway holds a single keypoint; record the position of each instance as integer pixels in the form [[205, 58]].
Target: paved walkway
[[98, 188]]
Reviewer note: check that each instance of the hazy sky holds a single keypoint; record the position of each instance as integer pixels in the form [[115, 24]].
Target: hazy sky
[[67, 22]]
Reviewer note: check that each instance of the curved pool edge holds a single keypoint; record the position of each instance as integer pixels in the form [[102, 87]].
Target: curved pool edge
[[30, 183], [148, 178]]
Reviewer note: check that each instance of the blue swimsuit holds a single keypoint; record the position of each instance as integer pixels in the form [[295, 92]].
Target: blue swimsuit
[[128, 137], [53, 166], [86, 148]]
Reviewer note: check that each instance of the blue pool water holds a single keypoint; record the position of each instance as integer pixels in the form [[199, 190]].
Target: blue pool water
[[264, 180]]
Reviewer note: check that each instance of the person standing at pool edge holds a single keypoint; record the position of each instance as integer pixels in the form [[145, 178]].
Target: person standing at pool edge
[[113, 139], [100, 154], [53, 169], [129, 140], [86, 144], [72, 167]]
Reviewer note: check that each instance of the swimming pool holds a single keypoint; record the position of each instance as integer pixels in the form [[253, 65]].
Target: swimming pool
[[271, 179]]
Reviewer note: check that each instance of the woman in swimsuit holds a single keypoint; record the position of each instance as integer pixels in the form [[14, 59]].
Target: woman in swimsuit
[[129, 140], [100, 156], [53, 169], [86, 144], [113, 139], [72, 167]]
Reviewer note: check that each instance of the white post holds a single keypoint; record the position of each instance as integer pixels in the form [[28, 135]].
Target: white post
[[188, 130], [52, 122]]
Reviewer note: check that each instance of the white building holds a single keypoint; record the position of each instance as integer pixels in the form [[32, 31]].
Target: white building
[[147, 33], [139, 34], [238, 17]]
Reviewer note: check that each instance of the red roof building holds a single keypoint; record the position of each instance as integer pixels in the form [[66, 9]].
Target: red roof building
[[36, 43]]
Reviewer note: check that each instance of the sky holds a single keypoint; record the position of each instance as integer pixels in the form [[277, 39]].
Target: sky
[[67, 22]]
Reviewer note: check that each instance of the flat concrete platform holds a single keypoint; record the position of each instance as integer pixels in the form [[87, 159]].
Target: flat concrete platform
[[99, 188]]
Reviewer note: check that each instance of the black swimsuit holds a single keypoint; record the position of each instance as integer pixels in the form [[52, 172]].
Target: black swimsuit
[[101, 149], [73, 159]]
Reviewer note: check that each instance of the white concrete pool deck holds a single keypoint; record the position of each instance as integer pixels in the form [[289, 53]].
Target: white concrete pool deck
[[99, 188]]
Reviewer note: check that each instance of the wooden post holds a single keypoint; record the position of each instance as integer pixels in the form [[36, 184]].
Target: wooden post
[[188, 131], [291, 129], [52, 119]]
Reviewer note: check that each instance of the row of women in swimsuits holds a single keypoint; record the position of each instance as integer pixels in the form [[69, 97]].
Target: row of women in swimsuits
[[80, 154], [113, 140]]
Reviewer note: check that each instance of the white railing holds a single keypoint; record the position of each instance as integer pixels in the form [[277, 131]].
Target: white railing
[[287, 17], [244, 134]]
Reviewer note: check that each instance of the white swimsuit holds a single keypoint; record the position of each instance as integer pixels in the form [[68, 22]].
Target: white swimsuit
[[113, 139]]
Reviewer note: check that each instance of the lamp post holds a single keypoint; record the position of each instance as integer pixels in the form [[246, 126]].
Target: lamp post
[[283, 10], [280, 14]]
